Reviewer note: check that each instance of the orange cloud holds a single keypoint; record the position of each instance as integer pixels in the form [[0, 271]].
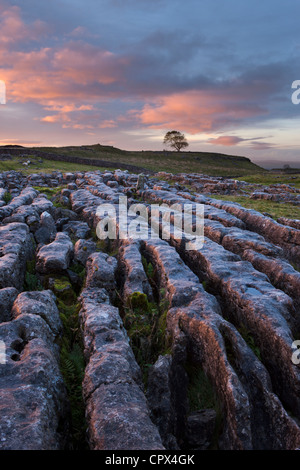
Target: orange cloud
[[196, 111], [56, 118], [226, 140], [68, 108], [230, 141], [56, 75], [74, 71], [13, 29], [107, 123]]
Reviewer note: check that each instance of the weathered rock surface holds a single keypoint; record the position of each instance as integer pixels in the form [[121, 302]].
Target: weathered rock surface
[[200, 429], [266, 312], [83, 249], [39, 303], [161, 400], [131, 266], [230, 310], [7, 298], [77, 229], [56, 256], [117, 411], [101, 270], [26, 197], [33, 402], [291, 222], [282, 235], [16, 247], [47, 231]]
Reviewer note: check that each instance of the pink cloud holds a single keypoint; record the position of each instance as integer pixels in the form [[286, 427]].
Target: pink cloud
[[71, 71], [13, 29], [107, 123], [230, 141], [76, 118], [261, 145], [226, 140], [78, 32], [75, 71], [197, 111]]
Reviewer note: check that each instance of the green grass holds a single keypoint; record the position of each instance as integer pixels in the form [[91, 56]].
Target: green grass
[[268, 177], [145, 323], [245, 333], [170, 161], [72, 363], [200, 392], [72, 366], [201, 395], [63, 288], [50, 192], [7, 197], [31, 280], [46, 167], [78, 269], [107, 246], [275, 209]]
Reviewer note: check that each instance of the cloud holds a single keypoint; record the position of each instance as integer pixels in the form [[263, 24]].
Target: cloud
[[230, 141], [198, 111], [78, 32], [82, 117], [13, 29], [19, 142], [226, 140], [71, 81], [160, 82], [108, 124], [261, 145]]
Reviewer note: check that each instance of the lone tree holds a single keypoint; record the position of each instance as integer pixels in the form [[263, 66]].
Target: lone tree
[[176, 140]]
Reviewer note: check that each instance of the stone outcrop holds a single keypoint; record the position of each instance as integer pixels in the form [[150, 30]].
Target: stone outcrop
[[7, 298], [56, 256], [16, 247], [33, 400], [101, 270], [117, 410], [131, 266], [221, 319], [39, 303]]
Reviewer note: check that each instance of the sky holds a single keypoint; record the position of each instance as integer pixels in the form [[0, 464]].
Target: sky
[[124, 72]]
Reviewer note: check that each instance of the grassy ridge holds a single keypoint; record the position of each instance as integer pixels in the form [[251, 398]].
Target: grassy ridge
[[47, 166], [268, 177], [175, 162], [275, 209]]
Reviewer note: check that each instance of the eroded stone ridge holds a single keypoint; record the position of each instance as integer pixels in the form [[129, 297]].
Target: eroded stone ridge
[[56, 256], [33, 399], [228, 312], [117, 410], [16, 247]]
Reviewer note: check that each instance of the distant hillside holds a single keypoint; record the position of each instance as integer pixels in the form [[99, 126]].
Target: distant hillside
[[270, 164], [175, 162], [214, 164]]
